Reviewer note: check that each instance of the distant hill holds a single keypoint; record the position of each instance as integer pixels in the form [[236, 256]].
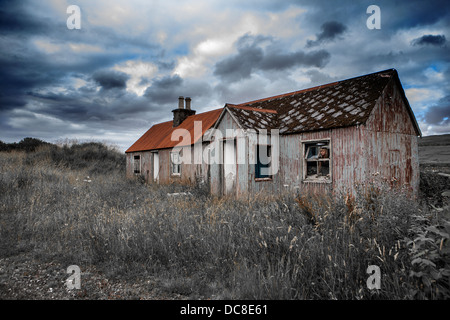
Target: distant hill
[[438, 140], [435, 150]]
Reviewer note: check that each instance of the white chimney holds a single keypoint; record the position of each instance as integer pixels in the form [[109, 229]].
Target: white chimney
[[188, 103], [180, 102]]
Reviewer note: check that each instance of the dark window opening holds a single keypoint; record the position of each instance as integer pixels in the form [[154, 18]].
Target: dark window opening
[[137, 164], [263, 162]]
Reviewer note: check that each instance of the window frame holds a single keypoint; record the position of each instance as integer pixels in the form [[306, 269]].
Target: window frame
[[259, 165], [139, 170], [306, 144], [172, 164]]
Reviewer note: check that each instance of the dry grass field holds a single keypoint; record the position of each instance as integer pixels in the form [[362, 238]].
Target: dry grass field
[[71, 205]]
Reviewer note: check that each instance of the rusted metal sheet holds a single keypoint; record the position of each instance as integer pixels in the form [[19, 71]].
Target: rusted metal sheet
[[349, 165], [392, 135]]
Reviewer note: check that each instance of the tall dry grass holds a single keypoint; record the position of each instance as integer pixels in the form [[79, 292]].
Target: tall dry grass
[[284, 247]]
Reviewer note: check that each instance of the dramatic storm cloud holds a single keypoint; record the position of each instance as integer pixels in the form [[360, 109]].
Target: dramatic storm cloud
[[429, 39], [108, 79], [251, 58], [164, 90], [125, 68], [330, 31]]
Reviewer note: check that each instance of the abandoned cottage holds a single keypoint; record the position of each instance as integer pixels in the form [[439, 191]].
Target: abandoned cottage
[[329, 137]]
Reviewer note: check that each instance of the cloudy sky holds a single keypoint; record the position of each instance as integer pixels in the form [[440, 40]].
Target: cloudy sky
[[124, 69]]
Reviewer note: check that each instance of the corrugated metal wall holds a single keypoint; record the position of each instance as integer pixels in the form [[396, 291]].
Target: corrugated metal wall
[[392, 142]]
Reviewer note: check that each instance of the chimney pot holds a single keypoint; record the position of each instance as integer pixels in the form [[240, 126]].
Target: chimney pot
[[188, 103], [180, 114], [180, 102]]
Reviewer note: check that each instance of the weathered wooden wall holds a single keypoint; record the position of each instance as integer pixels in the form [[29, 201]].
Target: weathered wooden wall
[[146, 164]]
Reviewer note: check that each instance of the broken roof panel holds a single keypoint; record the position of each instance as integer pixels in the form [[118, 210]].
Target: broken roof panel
[[323, 107]]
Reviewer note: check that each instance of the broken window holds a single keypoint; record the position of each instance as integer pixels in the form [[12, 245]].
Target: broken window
[[316, 161], [137, 164], [175, 163], [263, 162]]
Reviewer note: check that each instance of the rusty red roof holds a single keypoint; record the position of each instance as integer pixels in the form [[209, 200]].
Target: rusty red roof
[[159, 136]]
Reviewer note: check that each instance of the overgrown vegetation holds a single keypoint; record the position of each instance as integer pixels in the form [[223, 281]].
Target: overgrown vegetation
[[73, 204], [26, 144]]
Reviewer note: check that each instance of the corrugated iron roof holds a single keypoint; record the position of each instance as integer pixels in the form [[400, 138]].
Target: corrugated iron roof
[[338, 104], [159, 136]]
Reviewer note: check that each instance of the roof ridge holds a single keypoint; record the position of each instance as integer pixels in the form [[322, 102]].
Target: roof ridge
[[252, 108]]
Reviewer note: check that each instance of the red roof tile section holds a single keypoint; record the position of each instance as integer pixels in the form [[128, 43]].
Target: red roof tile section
[[159, 136]]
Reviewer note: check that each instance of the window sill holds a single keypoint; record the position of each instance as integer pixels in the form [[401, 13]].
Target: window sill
[[263, 179], [175, 175], [316, 180]]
